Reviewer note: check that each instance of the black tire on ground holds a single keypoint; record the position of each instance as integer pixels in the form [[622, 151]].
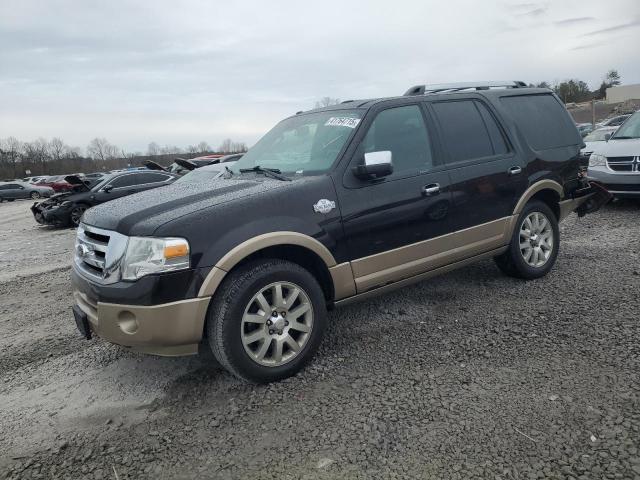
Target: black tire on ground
[[76, 214], [224, 326], [35, 195], [11, 199], [512, 262]]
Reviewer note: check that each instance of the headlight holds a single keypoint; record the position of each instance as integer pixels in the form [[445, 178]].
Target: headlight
[[596, 160], [147, 255]]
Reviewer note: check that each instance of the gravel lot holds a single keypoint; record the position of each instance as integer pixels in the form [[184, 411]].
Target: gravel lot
[[469, 375]]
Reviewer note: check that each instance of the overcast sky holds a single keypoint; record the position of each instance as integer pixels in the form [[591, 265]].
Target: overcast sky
[[178, 72]]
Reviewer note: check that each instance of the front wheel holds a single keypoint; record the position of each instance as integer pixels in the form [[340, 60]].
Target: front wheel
[[267, 320], [534, 245], [35, 195], [76, 214]]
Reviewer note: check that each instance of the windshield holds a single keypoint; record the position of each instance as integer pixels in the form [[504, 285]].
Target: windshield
[[598, 136], [200, 175], [630, 128], [304, 144]]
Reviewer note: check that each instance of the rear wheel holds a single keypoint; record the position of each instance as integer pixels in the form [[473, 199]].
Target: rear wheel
[[35, 195], [76, 214], [266, 320], [534, 245]]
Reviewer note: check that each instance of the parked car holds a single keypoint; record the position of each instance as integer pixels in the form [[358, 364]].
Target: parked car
[[613, 121], [584, 128], [17, 189], [66, 209], [206, 173], [591, 140], [32, 179], [332, 206], [57, 182], [616, 163]]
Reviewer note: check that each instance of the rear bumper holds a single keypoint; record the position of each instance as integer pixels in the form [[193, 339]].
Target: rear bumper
[[170, 329]]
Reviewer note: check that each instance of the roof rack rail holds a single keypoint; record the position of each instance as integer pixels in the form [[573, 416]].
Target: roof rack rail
[[458, 87]]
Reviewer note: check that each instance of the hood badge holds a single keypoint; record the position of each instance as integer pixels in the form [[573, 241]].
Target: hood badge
[[324, 206]]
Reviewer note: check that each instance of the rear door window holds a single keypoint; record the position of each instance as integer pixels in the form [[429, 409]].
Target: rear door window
[[544, 122], [464, 133]]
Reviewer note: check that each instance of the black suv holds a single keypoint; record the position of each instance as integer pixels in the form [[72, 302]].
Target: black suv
[[330, 206], [66, 209]]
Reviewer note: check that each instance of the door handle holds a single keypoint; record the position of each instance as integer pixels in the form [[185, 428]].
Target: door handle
[[515, 170], [431, 189]]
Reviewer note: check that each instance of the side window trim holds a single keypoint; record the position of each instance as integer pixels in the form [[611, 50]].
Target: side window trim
[[498, 123]]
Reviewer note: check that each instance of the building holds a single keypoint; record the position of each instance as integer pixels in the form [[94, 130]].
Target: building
[[623, 93]]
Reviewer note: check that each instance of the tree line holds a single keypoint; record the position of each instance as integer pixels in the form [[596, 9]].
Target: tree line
[[574, 90], [55, 157]]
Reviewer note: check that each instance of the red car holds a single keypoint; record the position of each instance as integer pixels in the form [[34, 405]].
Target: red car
[[57, 182]]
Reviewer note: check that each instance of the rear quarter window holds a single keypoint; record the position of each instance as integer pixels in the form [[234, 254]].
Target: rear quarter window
[[543, 121]]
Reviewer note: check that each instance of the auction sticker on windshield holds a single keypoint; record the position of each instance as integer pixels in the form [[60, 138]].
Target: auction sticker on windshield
[[342, 122]]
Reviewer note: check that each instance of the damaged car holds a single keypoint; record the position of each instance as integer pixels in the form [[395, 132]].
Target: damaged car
[[66, 209]]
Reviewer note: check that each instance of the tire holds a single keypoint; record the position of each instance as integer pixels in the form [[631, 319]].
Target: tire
[[35, 195], [539, 251], [230, 334], [11, 199], [76, 214]]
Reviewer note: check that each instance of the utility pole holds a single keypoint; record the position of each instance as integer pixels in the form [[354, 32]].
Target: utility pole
[[593, 114]]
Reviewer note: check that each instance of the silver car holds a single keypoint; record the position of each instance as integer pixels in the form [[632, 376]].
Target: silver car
[[17, 189]]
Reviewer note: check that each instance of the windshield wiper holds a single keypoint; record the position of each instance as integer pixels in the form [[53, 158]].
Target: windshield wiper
[[623, 137], [268, 172], [229, 171]]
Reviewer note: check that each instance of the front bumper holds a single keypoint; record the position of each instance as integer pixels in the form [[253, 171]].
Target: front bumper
[[51, 215], [618, 184], [170, 329]]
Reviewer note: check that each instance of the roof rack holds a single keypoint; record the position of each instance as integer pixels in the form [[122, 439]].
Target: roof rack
[[458, 87]]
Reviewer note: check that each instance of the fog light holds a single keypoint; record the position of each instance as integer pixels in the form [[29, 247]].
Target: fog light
[[127, 322]]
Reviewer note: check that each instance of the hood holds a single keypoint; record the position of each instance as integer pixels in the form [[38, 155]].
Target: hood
[[79, 184], [142, 213], [618, 148], [589, 146]]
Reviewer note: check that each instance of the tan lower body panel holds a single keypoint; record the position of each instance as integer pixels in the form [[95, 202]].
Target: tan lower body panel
[[168, 329], [568, 206], [417, 278], [404, 262]]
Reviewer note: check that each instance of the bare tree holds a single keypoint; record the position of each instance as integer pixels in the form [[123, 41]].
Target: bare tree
[[98, 149], [327, 102], [153, 149], [203, 147], [10, 150], [192, 149], [56, 149], [36, 153]]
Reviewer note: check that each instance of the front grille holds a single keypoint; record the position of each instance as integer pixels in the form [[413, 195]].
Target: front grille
[[99, 252], [91, 251], [624, 164]]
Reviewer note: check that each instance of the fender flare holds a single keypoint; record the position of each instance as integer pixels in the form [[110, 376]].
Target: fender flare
[[260, 242], [535, 188]]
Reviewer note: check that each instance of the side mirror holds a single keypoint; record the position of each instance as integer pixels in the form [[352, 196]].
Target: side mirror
[[607, 136], [107, 189], [375, 165]]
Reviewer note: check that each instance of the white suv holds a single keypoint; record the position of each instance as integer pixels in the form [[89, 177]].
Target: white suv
[[616, 163]]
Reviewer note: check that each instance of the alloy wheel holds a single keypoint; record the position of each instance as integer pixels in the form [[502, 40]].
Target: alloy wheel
[[35, 195], [76, 215], [536, 239], [277, 324]]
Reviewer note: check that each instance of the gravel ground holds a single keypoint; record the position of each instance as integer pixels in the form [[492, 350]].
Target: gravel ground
[[469, 375]]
